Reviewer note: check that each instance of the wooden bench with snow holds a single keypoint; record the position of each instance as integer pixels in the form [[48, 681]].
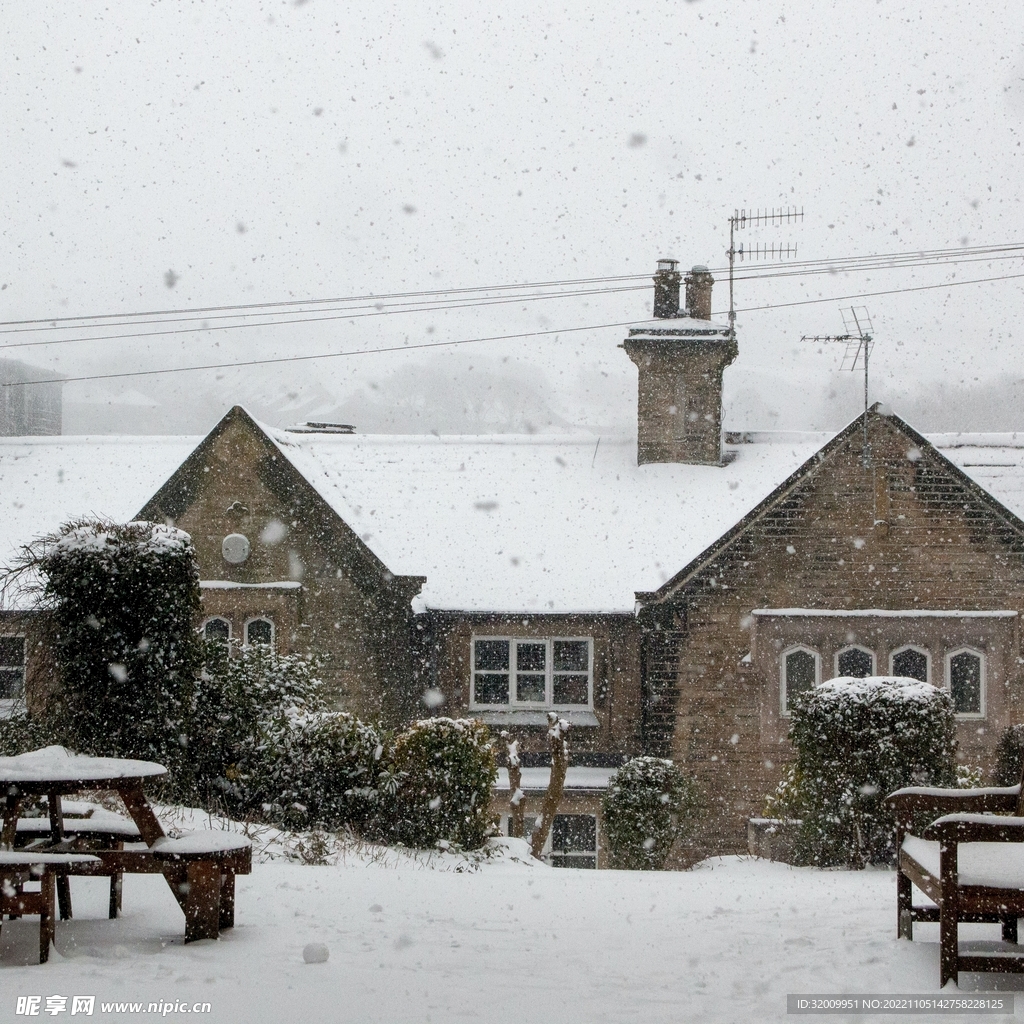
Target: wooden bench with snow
[[85, 829], [20, 867], [199, 867], [970, 862], [202, 865]]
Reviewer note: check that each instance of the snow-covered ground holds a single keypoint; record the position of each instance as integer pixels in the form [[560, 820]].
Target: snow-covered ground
[[501, 939]]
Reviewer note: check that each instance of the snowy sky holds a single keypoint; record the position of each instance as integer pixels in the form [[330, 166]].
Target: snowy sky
[[268, 151]]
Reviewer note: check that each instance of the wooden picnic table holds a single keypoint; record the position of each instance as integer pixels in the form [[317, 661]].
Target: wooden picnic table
[[200, 868]]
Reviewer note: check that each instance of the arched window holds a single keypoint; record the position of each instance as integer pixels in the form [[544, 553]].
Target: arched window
[[855, 661], [800, 669], [259, 631], [965, 672], [217, 629], [911, 663]]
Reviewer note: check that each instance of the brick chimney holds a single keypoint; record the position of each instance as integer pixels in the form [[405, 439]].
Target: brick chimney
[[679, 390]]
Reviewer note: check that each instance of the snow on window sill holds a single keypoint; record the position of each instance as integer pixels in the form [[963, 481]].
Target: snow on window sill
[[584, 719]]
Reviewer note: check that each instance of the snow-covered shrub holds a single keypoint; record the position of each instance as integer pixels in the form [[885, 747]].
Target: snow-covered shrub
[[444, 769], [245, 703], [786, 803], [968, 776], [264, 745], [325, 770], [1010, 756], [650, 804], [121, 603], [856, 741]]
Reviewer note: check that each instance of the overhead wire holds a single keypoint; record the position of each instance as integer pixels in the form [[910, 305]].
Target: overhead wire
[[352, 312], [274, 360], [747, 271]]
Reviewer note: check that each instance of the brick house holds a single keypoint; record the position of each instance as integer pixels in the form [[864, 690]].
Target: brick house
[[666, 594]]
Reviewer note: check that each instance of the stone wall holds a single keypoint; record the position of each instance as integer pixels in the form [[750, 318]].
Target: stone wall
[[906, 533]]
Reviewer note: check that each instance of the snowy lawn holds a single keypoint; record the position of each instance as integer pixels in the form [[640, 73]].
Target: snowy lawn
[[509, 941]]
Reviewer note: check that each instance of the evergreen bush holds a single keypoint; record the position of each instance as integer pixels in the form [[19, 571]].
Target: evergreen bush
[[649, 804], [246, 700], [325, 771], [1010, 756], [122, 602], [857, 740], [444, 769]]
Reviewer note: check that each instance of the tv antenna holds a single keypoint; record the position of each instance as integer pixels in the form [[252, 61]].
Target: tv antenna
[[741, 219], [859, 342]]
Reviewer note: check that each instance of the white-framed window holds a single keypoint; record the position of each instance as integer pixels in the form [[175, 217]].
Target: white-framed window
[[259, 631], [12, 669], [855, 661], [531, 672], [965, 680], [217, 628], [912, 663], [571, 843], [799, 670]]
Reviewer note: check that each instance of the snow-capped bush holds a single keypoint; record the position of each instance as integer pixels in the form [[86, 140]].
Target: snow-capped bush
[[650, 804], [856, 741], [1010, 756], [246, 702], [324, 770], [444, 769], [122, 600]]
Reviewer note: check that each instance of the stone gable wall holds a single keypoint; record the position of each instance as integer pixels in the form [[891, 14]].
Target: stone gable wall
[[906, 533]]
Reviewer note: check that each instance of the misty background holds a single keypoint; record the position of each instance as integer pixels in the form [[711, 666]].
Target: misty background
[[187, 155]]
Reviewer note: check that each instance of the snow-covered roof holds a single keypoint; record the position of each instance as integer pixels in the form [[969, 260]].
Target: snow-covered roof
[[995, 461], [537, 523], [501, 523]]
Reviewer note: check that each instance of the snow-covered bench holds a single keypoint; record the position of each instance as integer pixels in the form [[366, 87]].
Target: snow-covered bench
[[18, 867], [202, 865], [969, 861], [94, 830]]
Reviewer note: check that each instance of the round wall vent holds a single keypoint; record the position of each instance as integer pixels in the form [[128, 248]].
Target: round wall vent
[[235, 548]]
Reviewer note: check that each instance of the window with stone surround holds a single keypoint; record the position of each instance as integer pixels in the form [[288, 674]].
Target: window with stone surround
[[217, 628], [519, 672], [855, 661], [912, 663], [965, 678], [259, 631], [800, 670]]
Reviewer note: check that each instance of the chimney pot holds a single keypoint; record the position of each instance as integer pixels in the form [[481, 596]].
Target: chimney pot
[[666, 289], [698, 293]]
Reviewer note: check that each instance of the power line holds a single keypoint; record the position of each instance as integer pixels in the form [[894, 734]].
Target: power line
[[316, 319], [309, 302], [472, 341], [345, 313], [783, 269]]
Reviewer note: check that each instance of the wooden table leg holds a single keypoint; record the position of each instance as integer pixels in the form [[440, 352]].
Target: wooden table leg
[[46, 925], [202, 904], [12, 806], [227, 899], [142, 814], [116, 887], [56, 812]]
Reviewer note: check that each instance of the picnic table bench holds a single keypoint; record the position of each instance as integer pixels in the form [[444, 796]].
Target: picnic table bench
[[199, 867], [969, 861], [19, 867]]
